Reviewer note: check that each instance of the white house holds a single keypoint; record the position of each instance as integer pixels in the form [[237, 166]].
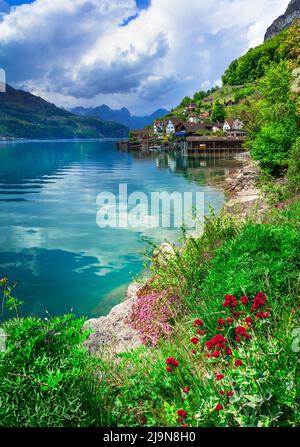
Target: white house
[[233, 125], [171, 125], [217, 127]]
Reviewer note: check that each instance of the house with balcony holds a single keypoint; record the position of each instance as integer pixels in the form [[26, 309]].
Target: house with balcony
[[234, 128]]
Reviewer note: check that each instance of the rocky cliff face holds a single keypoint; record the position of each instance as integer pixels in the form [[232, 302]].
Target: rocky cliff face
[[284, 21]]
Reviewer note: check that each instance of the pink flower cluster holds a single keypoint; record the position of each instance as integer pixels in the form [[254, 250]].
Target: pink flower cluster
[[151, 315]]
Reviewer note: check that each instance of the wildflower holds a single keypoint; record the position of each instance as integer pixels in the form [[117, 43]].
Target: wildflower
[[186, 390], [262, 315], [230, 301], [209, 344], [244, 300], [193, 351], [219, 377], [184, 425], [228, 351], [181, 414], [259, 301], [194, 340], [172, 362], [242, 331], [198, 323], [216, 354], [248, 321], [237, 339], [238, 363], [236, 314], [219, 407], [229, 320], [222, 393], [199, 332], [221, 322], [230, 393]]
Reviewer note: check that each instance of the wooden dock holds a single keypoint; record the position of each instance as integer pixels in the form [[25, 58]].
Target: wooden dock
[[194, 145]]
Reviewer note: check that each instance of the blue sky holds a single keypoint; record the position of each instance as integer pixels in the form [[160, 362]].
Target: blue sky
[[142, 4], [139, 54]]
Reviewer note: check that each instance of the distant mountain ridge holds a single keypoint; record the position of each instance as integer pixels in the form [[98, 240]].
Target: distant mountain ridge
[[285, 20], [122, 116], [23, 115]]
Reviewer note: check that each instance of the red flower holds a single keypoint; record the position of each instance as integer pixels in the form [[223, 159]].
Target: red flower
[[186, 390], [219, 377], [241, 330], [230, 393], [230, 301], [249, 321], [198, 323], [262, 315], [237, 339], [181, 413], [184, 425], [219, 407], [228, 351], [259, 301], [194, 340], [229, 320], [222, 393], [209, 344], [172, 362], [216, 354], [193, 351], [221, 322], [238, 363], [244, 300], [236, 314], [199, 332]]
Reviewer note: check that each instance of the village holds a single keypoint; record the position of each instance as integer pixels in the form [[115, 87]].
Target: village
[[193, 132]]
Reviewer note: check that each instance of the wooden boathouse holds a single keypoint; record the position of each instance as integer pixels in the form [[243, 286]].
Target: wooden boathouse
[[196, 145]]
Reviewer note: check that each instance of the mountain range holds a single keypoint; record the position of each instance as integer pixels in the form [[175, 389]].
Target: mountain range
[[284, 21], [23, 115], [122, 116]]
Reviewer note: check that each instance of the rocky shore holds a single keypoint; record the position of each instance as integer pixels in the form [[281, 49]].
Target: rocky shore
[[245, 194], [111, 334]]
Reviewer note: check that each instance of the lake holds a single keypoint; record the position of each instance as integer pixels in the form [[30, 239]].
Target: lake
[[50, 243]]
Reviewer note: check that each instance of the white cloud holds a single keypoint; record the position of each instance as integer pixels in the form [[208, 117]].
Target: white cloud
[[75, 51]]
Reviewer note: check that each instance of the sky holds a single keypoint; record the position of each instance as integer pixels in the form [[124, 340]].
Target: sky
[[142, 54]]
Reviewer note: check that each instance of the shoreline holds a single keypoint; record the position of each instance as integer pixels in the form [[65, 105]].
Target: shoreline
[[111, 334]]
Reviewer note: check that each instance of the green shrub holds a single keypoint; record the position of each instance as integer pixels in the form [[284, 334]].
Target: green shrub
[[293, 174], [46, 376]]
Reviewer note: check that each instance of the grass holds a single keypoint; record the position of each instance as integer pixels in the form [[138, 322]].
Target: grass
[[47, 378]]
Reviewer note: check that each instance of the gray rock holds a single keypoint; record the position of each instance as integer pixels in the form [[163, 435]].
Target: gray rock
[[112, 334], [285, 20]]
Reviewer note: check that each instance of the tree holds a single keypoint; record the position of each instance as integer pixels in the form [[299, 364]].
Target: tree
[[219, 113], [186, 101], [278, 121]]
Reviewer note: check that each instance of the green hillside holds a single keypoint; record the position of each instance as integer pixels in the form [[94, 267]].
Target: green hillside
[[242, 77], [23, 115]]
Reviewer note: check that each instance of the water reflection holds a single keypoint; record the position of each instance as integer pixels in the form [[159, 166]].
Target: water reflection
[[49, 241]]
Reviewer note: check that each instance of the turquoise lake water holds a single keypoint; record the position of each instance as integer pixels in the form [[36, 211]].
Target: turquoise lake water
[[50, 243]]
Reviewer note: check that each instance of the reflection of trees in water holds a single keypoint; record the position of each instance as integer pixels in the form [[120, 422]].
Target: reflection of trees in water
[[201, 170]]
